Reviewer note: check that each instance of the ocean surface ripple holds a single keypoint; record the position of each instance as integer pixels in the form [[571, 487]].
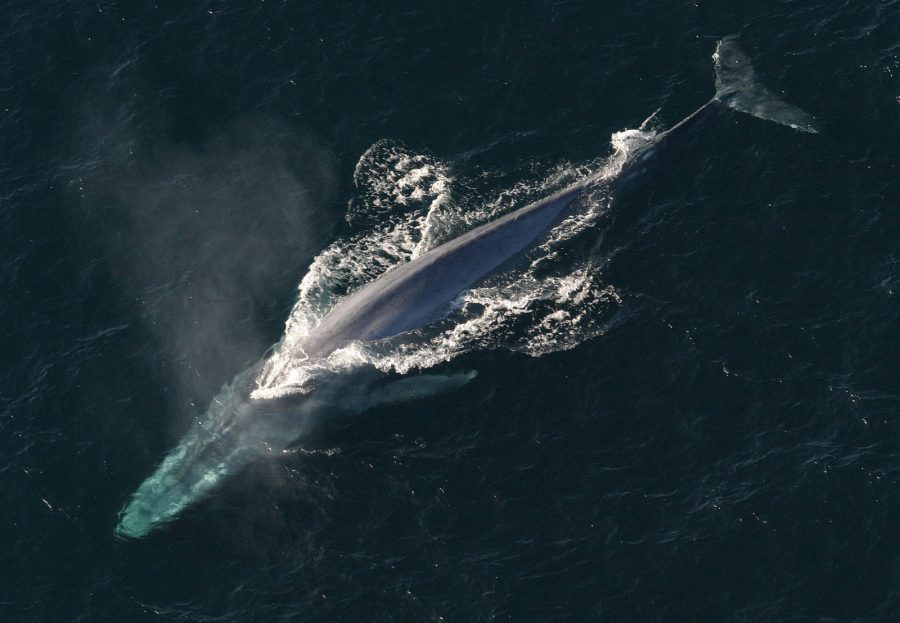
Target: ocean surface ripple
[[687, 402]]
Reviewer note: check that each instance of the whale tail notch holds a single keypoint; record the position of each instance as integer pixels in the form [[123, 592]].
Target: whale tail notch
[[738, 87]]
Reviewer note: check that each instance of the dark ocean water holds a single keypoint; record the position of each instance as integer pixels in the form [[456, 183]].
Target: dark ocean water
[[724, 447]]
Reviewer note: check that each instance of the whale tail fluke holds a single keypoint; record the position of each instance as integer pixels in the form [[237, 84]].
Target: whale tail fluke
[[738, 87]]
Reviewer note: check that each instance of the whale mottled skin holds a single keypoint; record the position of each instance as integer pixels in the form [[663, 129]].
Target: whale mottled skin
[[238, 428], [413, 294]]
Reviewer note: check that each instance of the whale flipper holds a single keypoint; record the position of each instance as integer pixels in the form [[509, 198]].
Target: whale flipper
[[421, 386], [738, 87]]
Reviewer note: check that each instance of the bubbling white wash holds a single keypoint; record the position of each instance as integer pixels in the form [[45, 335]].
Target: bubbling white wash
[[408, 204]]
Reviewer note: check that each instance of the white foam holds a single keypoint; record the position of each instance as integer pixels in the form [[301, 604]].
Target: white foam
[[547, 305]]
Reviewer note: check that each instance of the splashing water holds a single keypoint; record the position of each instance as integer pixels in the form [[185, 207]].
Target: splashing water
[[412, 205]]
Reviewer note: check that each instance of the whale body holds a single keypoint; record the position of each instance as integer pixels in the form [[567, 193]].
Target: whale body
[[238, 428], [413, 294]]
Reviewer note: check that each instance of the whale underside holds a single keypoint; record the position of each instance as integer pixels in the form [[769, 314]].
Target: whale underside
[[238, 428]]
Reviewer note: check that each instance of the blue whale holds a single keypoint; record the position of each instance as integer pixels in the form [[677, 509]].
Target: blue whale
[[238, 428]]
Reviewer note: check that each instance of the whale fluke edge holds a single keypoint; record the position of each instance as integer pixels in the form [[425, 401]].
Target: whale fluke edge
[[738, 87]]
